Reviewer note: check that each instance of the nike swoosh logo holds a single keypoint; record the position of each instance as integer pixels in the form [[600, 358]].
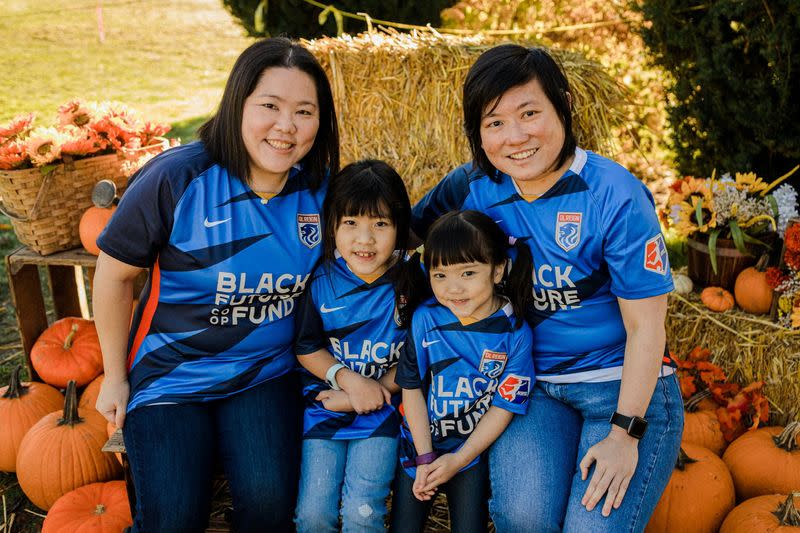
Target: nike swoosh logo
[[425, 343], [324, 309], [208, 224]]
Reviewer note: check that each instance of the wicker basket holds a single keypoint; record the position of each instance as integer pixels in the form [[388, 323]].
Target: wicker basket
[[45, 208]]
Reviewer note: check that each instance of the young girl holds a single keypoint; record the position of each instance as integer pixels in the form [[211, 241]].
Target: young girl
[[465, 370], [349, 341]]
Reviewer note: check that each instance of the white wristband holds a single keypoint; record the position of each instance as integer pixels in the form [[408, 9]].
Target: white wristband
[[330, 376]]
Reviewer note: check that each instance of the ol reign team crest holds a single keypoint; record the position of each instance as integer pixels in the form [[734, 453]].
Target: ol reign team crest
[[568, 230], [308, 229], [492, 363]]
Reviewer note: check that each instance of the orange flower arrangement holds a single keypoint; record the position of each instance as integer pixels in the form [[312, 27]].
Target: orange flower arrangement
[[740, 409], [83, 130]]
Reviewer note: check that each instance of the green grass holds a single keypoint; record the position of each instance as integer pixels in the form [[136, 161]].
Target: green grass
[[167, 60]]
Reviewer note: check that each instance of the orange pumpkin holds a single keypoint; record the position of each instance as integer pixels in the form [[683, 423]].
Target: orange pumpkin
[[753, 293], [89, 396], [21, 406], [774, 513], [765, 461], [717, 299], [93, 222], [698, 496], [63, 452], [68, 350], [100, 507], [701, 425]]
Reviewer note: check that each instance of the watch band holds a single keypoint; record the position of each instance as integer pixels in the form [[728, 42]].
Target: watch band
[[635, 426], [330, 376]]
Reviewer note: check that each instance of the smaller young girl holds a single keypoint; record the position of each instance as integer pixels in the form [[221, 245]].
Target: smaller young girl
[[349, 340], [465, 370]]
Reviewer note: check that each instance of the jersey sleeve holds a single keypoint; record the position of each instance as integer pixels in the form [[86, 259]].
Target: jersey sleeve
[[634, 247], [309, 330], [447, 195], [515, 384], [142, 222], [409, 374]]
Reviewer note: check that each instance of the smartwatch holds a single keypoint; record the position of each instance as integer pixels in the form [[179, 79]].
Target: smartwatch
[[635, 426], [330, 376]]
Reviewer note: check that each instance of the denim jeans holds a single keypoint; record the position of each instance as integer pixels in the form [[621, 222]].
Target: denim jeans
[[535, 478], [467, 493], [354, 475], [255, 434]]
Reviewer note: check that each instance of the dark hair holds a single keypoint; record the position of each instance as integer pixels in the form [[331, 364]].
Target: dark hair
[[222, 133], [367, 187], [505, 67], [471, 236]]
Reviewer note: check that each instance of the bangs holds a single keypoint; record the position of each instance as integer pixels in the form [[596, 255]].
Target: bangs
[[363, 202], [455, 242]]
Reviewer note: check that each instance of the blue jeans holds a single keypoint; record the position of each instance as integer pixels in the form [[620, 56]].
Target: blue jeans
[[255, 434], [535, 478], [354, 475]]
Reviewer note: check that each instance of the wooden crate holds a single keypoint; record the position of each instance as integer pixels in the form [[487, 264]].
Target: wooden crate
[[65, 279]]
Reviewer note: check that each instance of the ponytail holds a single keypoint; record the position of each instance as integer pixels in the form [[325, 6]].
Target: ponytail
[[517, 284], [411, 288]]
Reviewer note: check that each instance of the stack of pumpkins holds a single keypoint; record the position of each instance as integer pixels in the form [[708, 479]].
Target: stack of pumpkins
[[751, 291], [53, 442], [760, 471]]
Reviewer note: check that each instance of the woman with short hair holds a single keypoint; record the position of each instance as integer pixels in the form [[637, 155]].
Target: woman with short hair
[[229, 229], [580, 459]]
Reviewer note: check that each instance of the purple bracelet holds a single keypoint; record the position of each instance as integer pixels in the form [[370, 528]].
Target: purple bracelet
[[425, 458]]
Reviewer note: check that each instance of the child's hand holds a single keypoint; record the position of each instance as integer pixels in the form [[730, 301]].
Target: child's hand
[[335, 400], [441, 470], [419, 483], [366, 395]]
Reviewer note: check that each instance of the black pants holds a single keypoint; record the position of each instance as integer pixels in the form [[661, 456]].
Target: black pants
[[257, 435], [467, 496]]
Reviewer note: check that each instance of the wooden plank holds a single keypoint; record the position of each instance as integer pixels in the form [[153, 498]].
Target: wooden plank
[[217, 524], [26, 296], [63, 287], [26, 256], [115, 443]]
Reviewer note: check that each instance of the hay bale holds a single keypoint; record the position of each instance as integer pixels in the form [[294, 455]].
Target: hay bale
[[398, 97], [749, 348]]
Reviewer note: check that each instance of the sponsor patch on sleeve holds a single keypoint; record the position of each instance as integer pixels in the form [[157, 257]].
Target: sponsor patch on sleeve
[[655, 255], [514, 388]]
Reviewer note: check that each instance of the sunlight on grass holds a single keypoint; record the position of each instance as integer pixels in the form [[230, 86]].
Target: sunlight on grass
[[157, 56]]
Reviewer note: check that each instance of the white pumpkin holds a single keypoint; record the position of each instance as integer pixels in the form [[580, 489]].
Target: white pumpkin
[[683, 284]]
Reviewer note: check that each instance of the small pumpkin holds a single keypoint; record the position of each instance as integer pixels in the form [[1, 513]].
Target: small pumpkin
[[701, 425], [63, 451], [93, 222], [700, 489], [68, 350], [89, 396], [753, 293], [774, 513], [683, 284], [21, 406], [100, 507], [765, 461], [717, 299]]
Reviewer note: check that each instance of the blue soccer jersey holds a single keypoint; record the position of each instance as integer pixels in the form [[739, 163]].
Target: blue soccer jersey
[[356, 322], [594, 236], [463, 370], [226, 267]]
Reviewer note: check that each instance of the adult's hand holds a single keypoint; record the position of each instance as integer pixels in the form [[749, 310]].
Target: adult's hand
[[112, 402], [366, 395], [615, 459], [421, 479]]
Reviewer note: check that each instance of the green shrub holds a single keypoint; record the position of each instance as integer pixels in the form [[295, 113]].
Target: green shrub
[[296, 18], [734, 77]]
